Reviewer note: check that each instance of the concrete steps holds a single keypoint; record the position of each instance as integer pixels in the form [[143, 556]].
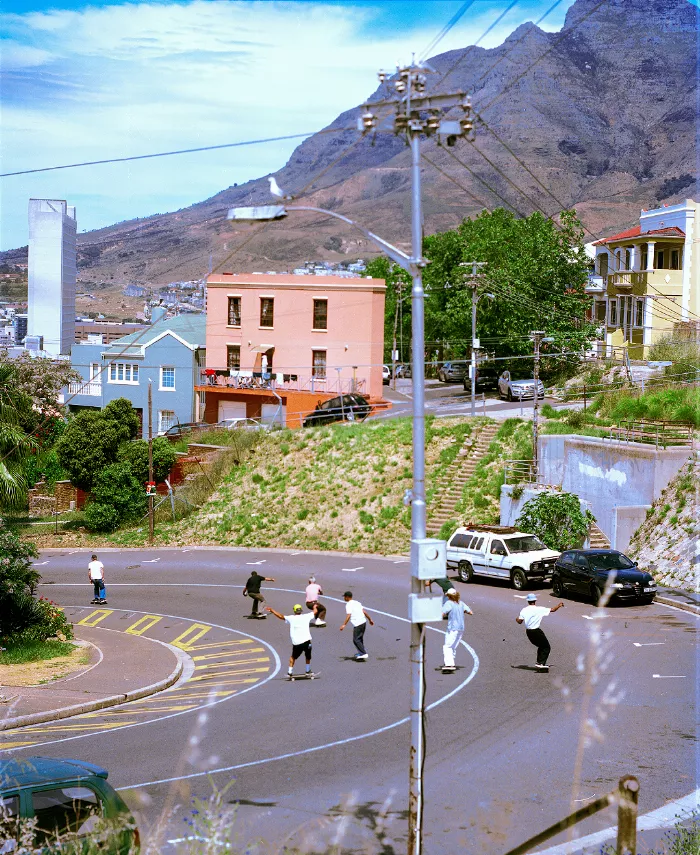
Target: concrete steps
[[597, 538], [457, 476]]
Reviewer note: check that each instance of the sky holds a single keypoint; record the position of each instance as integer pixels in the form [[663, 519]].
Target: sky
[[85, 82]]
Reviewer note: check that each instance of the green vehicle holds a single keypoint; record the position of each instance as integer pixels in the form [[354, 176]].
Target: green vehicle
[[63, 806]]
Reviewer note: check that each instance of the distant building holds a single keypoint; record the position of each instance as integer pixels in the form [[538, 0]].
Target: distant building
[[52, 274], [646, 279], [134, 291], [19, 325], [109, 331], [169, 353]]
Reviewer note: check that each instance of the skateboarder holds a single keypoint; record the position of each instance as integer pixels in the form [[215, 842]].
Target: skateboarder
[[300, 634], [96, 574], [359, 617], [445, 586], [454, 610], [532, 616], [313, 591], [252, 590]]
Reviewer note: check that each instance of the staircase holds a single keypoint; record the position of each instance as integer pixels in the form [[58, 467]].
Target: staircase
[[597, 540], [457, 476]]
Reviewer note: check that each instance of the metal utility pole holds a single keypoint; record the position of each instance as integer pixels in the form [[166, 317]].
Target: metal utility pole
[[150, 463], [537, 337], [473, 283], [398, 289]]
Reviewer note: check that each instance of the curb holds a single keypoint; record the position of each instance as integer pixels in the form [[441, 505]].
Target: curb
[[686, 607], [91, 706]]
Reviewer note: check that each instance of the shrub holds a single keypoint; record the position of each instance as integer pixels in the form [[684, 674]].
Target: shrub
[[115, 488], [136, 455], [100, 517], [18, 581], [557, 519], [50, 622]]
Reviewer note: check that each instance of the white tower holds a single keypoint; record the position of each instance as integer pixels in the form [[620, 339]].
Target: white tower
[[52, 274]]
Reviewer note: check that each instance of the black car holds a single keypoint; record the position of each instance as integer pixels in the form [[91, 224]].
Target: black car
[[176, 432], [348, 408], [486, 377], [588, 571]]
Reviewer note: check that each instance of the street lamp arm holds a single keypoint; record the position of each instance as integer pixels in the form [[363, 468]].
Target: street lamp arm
[[401, 258]]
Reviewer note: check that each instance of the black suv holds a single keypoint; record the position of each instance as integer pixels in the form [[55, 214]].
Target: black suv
[[349, 408], [587, 571]]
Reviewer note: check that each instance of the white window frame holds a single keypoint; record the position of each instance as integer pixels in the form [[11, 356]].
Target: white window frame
[[318, 377], [164, 424], [123, 373], [638, 301], [161, 386]]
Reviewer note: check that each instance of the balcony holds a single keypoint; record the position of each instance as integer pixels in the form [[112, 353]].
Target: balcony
[[231, 379], [627, 279], [89, 387], [595, 285]]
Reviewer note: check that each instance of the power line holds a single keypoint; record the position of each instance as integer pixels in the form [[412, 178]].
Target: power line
[[446, 29]]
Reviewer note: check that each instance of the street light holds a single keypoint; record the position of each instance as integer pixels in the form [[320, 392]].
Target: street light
[[475, 343], [537, 337]]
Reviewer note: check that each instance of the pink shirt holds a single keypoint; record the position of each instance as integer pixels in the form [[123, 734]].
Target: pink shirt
[[312, 592]]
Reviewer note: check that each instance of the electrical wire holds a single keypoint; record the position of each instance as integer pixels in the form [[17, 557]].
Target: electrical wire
[[446, 29]]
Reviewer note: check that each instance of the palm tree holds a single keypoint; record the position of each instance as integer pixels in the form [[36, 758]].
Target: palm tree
[[15, 445]]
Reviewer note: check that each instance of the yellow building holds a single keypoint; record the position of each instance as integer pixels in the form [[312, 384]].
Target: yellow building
[[647, 278]]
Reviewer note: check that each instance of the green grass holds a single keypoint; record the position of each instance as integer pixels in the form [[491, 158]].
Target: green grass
[[21, 653], [675, 405]]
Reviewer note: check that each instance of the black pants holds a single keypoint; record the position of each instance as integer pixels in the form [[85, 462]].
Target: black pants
[[256, 598], [358, 634], [98, 589], [539, 639]]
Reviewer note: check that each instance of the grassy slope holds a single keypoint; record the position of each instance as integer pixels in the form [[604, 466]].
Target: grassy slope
[[337, 487]]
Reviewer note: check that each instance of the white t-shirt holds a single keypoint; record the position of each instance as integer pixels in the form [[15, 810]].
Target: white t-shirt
[[312, 592], [356, 612], [299, 629], [97, 570], [532, 616]]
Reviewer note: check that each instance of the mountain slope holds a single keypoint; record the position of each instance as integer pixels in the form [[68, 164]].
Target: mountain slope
[[602, 114]]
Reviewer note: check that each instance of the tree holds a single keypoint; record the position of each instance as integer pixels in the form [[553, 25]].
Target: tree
[[136, 455], [91, 441], [117, 497], [557, 519], [18, 581], [16, 446]]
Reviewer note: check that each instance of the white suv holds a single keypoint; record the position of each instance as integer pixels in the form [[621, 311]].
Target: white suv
[[501, 552]]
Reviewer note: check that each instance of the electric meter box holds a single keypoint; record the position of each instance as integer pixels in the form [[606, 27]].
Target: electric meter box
[[429, 558], [424, 609]]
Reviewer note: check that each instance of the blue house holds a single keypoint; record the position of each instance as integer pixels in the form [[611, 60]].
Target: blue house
[[170, 354]]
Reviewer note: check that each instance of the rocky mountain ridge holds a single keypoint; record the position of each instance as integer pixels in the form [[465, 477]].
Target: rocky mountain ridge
[[600, 117]]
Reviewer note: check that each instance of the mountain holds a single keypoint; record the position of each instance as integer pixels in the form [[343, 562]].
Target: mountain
[[601, 116]]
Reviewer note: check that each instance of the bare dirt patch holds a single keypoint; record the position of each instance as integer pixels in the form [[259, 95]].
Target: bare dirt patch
[[46, 671]]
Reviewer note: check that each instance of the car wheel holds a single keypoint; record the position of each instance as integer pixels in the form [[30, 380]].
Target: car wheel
[[647, 601], [557, 587], [509, 395], [596, 594], [441, 377], [351, 416], [518, 579], [465, 571]]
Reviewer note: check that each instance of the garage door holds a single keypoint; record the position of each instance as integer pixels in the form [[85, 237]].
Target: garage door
[[231, 410], [274, 414]]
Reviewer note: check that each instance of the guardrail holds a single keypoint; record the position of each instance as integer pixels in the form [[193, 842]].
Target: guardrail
[[229, 378], [625, 797], [517, 471], [86, 388], [657, 433]]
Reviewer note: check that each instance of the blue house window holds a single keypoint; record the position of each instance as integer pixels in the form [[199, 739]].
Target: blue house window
[[123, 372], [167, 377]]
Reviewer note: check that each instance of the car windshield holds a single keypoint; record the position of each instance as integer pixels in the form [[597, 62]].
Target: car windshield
[[526, 543], [610, 561]]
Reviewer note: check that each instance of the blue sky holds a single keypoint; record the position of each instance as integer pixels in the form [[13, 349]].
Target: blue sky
[[89, 82]]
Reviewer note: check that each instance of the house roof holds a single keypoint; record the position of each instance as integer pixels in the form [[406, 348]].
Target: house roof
[[636, 231], [189, 328]]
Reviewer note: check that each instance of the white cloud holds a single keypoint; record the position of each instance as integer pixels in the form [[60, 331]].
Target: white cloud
[[129, 79]]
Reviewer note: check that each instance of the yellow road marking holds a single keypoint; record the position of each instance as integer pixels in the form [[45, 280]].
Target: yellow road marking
[[57, 728], [231, 682], [95, 617], [7, 745], [222, 644], [207, 656], [184, 641], [147, 620], [214, 665], [216, 678], [197, 696]]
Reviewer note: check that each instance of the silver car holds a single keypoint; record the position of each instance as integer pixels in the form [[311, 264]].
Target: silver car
[[518, 390]]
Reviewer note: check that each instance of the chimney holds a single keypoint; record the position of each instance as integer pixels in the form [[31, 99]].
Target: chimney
[[158, 313]]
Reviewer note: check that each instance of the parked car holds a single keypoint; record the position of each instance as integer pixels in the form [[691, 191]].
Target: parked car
[[386, 374], [500, 552], [587, 572], [349, 408], [176, 432], [242, 424], [518, 390], [453, 371], [486, 377], [67, 799], [403, 369]]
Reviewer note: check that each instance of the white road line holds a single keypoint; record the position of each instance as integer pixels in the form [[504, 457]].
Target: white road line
[[668, 676], [594, 617], [297, 553], [351, 569], [403, 561], [663, 817], [255, 563], [40, 563], [648, 643], [520, 596], [75, 552], [150, 560]]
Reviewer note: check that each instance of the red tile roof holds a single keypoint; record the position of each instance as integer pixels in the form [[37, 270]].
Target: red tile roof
[[636, 231]]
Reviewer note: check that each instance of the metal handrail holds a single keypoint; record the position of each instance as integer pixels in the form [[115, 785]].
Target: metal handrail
[[626, 797], [519, 470]]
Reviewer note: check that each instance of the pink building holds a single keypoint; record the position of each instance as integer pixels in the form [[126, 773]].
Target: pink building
[[283, 343]]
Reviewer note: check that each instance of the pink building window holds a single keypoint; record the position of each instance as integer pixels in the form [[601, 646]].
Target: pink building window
[[267, 311], [320, 314], [234, 311], [318, 365]]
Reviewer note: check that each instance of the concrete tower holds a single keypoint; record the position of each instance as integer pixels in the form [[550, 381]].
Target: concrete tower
[[52, 274]]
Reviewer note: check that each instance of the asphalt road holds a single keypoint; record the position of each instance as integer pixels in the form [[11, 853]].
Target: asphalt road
[[300, 757]]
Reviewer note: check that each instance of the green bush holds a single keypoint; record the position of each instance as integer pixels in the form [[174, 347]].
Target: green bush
[[18, 581], [136, 455], [50, 622], [117, 489], [557, 519], [100, 517]]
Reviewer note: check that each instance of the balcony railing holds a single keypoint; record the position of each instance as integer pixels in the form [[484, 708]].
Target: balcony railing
[[627, 278], [229, 378], [595, 283], [90, 387]]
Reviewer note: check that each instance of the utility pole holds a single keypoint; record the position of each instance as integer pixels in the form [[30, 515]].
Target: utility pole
[[398, 288], [415, 114], [473, 283], [150, 463], [537, 337]]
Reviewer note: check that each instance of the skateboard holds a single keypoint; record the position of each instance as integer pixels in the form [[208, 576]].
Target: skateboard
[[544, 670], [256, 617], [448, 670], [310, 676]]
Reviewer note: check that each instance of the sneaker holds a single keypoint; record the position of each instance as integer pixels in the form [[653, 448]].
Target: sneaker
[[362, 656], [318, 622], [542, 667], [103, 602], [94, 602]]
